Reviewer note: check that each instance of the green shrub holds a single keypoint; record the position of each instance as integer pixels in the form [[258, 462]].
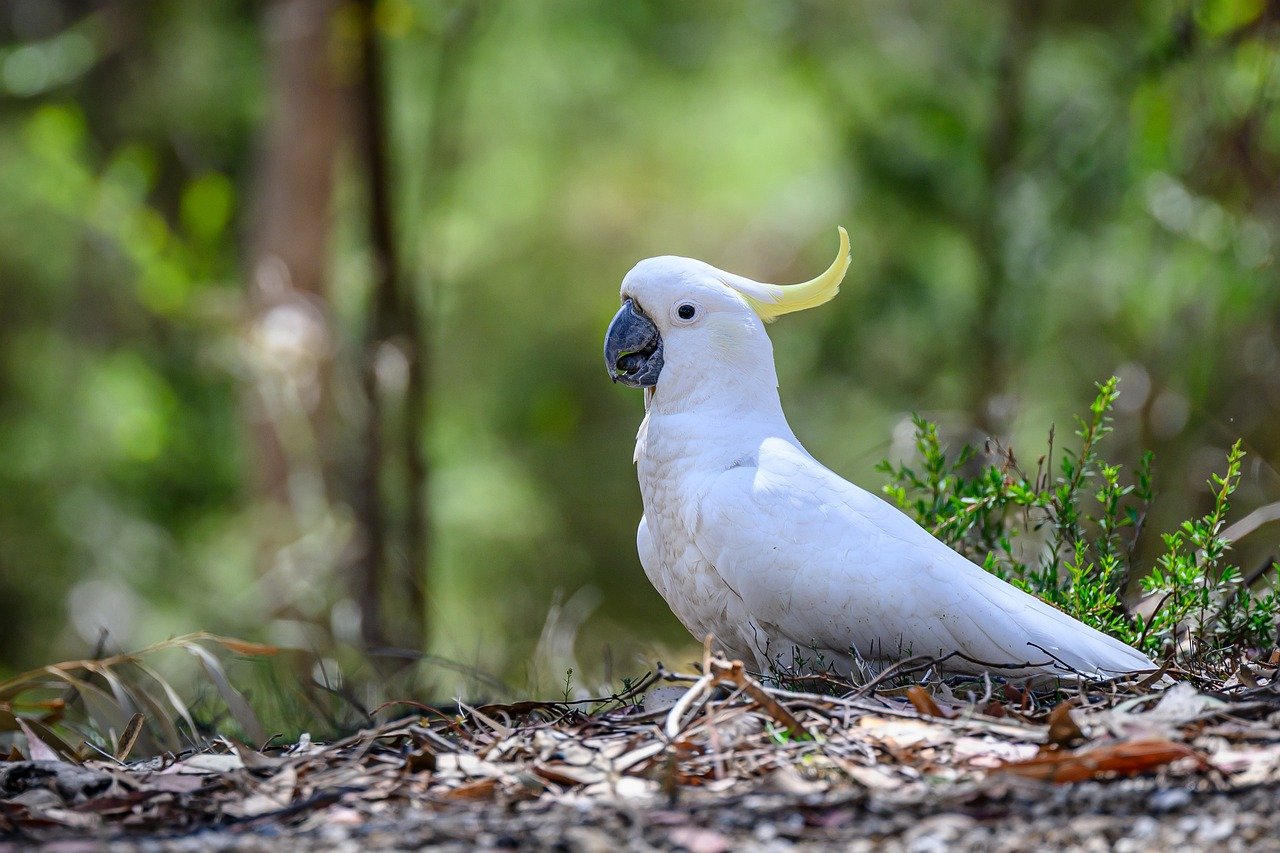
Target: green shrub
[[1070, 537]]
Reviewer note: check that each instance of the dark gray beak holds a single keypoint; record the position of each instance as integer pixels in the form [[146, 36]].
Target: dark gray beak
[[633, 348]]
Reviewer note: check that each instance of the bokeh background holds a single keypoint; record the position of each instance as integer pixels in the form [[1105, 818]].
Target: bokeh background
[[301, 301]]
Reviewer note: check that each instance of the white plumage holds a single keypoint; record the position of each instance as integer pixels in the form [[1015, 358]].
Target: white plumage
[[750, 538]]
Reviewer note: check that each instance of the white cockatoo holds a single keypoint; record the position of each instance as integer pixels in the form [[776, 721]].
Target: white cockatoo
[[751, 539]]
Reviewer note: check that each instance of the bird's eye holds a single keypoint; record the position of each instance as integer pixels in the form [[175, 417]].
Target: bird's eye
[[686, 311]]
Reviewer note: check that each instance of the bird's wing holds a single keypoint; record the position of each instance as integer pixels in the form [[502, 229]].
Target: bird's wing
[[648, 552], [830, 565]]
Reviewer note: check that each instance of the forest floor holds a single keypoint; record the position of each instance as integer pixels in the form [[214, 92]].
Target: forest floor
[[712, 761]]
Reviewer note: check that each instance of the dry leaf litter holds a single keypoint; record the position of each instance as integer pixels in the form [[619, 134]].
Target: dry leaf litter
[[711, 761]]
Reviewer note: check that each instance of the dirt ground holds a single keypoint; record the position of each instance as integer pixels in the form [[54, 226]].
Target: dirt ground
[[708, 762], [1126, 815]]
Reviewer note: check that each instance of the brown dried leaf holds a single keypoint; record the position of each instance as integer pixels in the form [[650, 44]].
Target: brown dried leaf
[[734, 673], [1131, 758], [129, 737], [923, 702], [1063, 730], [482, 789], [1154, 677], [420, 760]]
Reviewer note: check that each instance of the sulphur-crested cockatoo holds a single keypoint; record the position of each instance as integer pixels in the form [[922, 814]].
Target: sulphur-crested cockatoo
[[751, 539]]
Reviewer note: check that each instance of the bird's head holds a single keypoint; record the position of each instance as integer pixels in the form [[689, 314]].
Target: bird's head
[[682, 318]]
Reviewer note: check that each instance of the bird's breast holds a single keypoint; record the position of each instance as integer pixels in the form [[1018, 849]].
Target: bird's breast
[[672, 485]]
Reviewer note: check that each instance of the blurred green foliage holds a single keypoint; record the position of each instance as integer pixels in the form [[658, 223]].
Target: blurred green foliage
[[1039, 194]]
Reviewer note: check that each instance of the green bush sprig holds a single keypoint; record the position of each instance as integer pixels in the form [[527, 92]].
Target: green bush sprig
[[1070, 538]]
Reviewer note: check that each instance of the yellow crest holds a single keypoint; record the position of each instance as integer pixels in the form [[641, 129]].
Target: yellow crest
[[771, 301]]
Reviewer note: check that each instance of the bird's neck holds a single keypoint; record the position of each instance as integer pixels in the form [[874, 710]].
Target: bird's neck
[[739, 388], [712, 428], [712, 404], [754, 404]]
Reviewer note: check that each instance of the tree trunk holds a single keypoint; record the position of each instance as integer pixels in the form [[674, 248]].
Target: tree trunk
[[394, 321], [289, 340]]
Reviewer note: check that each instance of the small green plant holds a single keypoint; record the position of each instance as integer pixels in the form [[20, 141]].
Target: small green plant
[[568, 685], [1070, 536]]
